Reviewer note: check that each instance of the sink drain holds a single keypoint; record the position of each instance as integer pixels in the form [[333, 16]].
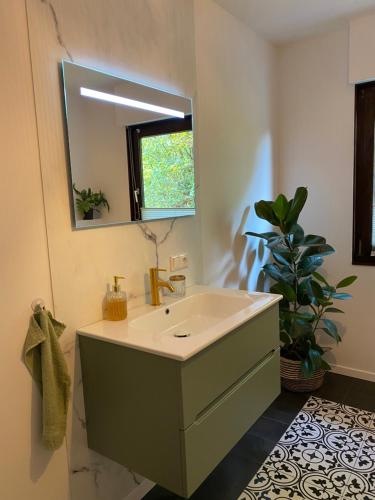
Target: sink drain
[[181, 335]]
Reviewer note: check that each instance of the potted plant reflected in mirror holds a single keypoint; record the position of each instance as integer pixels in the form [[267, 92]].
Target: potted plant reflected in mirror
[[308, 298], [89, 203]]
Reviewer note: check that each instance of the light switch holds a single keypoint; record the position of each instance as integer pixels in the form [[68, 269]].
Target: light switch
[[177, 262]]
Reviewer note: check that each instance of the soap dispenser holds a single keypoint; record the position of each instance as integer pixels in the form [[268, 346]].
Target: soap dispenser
[[115, 303]]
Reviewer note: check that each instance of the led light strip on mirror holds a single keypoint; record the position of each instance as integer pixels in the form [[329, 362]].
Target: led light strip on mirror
[[103, 96]]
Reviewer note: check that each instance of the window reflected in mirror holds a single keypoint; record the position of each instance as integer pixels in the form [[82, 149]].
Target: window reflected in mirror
[[161, 168], [131, 150]]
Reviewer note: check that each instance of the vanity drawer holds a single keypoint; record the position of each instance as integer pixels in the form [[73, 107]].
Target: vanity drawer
[[210, 373], [223, 423]]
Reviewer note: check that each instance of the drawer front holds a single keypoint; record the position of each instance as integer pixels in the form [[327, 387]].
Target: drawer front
[[131, 409], [209, 374], [221, 426]]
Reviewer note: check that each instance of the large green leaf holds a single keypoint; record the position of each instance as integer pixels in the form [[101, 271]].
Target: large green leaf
[[313, 240], [302, 292], [297, 235], [308, 266], [315, 291], [265, 236], [284, 258], [342, 296], [329, 289], [273, 271], [284, 303], [331, 329], [336, 337], [346, 282], [281, 207], [315, 358], [281, 248], [285, 290], [263, 209], [319, 250], [276, 243], [279, 273], [297, 204], [307, 368], [300, 327], [320, 278], [333, 310], [282, 255]]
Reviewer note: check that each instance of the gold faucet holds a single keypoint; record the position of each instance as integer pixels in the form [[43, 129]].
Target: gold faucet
[[156, 283]]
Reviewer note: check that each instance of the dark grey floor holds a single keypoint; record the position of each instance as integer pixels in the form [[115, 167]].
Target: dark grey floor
[[231, 476]]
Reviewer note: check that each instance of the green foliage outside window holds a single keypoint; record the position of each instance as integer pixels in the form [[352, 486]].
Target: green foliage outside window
[[168, 170]]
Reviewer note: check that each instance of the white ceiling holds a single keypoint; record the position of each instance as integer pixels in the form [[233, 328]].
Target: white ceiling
[[283, 20]]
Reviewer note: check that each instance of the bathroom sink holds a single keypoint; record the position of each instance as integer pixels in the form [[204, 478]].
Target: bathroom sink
[[192, 315], [182, 327]]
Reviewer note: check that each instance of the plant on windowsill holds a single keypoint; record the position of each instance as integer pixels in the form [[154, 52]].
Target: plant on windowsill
[[89, 203], [307, 295]]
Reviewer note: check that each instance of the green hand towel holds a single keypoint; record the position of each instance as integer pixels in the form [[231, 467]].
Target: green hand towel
[[46, 363]]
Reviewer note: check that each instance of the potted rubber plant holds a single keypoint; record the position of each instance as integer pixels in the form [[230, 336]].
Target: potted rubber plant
[[89, 203], [308, 299]]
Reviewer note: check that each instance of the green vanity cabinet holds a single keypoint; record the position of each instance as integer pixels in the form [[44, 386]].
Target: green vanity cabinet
[[173, 421]]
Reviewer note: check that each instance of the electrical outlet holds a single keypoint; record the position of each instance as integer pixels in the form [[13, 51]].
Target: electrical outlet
[[177, 262]]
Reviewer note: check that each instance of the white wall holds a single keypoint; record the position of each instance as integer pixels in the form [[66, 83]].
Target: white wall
[[362, 48], [27, 471], [316, 150], [150, 41], [236, 139]]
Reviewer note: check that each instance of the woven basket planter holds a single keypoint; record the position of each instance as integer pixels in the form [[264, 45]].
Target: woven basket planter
[[293, 380]]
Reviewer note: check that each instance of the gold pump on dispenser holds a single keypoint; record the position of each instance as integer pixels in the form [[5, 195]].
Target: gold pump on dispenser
[[115, 302]]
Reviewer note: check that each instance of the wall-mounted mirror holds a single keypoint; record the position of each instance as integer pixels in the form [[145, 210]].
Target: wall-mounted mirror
[[131, 150]]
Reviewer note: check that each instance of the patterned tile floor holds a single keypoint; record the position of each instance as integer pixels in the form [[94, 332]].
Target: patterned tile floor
[[327, 453], [232, 475]]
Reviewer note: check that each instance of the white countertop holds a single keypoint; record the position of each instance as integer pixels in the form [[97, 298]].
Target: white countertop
[[206, 313]]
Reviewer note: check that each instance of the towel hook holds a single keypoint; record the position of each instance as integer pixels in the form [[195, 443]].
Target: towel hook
[[37, 303]]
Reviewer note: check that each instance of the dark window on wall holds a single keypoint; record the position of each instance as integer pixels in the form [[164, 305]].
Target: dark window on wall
[[364, 186], [163, 181]]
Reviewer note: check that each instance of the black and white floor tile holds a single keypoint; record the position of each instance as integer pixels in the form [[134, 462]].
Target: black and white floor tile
[[327, 453]]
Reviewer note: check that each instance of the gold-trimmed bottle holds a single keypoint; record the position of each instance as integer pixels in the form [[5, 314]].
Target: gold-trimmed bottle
[[115, 306]]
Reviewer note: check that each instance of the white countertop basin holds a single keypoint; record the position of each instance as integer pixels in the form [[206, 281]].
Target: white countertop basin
[[180, 328]]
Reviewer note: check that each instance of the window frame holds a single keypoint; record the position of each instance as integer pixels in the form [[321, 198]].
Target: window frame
[[363, 185], [134, 135]]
